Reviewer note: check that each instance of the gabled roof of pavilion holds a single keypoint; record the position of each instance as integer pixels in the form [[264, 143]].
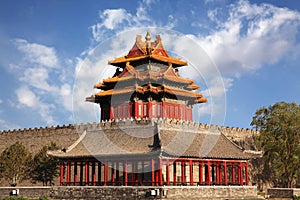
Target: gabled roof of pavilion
[[163, 137], [147, 49]]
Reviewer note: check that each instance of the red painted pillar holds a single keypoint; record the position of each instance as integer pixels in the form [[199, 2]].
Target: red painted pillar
[[225, 173], [86, 172], [233, 174], [93, 173], [111, 112], [200, 172], [68, 173], [61, 174], [182, 172], [241, 173], [191, 173], [125, 173], [207, 179], [153, 172], [174, 173], [217, 181], [160, 172], [75, 173], [150, 114], [247, 175], [167, 172], [136, 109], [105, 172]]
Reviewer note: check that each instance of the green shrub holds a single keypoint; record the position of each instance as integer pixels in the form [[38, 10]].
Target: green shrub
[[295, 197], [15, 198]]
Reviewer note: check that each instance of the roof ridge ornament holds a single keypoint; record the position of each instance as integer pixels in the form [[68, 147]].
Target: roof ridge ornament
[[148, 36]]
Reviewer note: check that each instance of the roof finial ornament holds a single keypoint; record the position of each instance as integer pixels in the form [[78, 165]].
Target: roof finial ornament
[[148, 36]]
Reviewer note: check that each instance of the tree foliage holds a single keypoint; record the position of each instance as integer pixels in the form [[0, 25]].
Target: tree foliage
[[14, 163], [279, 138], [45, 168]]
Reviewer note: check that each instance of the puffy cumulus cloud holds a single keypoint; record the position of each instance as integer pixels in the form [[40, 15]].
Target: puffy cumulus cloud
[[36, 53], [113, 21], [30, 99], [44, 87], [251, 35], [26, 97]]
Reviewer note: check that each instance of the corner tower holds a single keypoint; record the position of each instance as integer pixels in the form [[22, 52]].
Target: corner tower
[[147, 84]]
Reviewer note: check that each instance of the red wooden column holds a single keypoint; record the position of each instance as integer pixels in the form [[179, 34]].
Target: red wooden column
[[125, 173], [93, 173], [174, 173], [191, 173], [207, 176], [160, 178], [75, 173], [217, 180], [150, 114], [152, 172], [68, 173], [168, 172], [233, 173], [200, 173], [111, 112], [225, 173], [182, 172], [86, 172], [220, 168], [241, 173], [136, 109], [105, 173], [61, 174], [247, 175]]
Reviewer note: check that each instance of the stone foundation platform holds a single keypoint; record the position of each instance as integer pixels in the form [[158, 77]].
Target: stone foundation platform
[[136, 192]]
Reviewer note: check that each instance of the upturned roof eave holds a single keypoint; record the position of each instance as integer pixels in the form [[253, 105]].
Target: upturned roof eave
[[121, 61]]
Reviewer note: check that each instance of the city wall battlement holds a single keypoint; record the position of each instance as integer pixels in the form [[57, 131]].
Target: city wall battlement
[[65, 135]]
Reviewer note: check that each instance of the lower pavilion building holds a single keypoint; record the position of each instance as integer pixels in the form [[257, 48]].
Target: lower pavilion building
[[146, 135]]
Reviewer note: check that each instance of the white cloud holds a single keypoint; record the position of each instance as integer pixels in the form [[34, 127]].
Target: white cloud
[[37, 54], [44, 86], [113, 17], [250, 36], [113, 21], [26, 97], [29, 99], [38, 78]]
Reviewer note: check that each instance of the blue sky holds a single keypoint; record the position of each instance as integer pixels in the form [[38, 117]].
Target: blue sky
[[51, 51]]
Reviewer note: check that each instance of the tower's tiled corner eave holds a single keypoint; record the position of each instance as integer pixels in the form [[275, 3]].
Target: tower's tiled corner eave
[[142, 50], [121, 62]]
